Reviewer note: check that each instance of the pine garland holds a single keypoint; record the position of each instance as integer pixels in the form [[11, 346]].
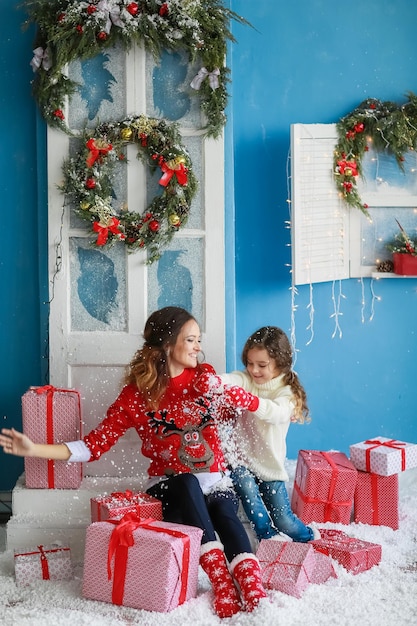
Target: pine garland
[[70, 30], [391, 127], [89, 176]]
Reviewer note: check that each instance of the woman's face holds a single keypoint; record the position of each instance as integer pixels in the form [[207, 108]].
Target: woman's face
[[260, 366], [185, 351]]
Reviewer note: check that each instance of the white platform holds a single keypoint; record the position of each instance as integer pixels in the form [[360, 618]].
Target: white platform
[[45, 516]]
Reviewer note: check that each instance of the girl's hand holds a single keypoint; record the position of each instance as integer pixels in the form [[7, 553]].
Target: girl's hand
[[16, 443], [241, 399]]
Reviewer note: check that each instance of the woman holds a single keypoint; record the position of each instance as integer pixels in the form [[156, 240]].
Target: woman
[[163, 401]]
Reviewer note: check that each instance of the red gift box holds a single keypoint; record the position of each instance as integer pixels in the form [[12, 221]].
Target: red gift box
[[51, 415], [383, 456], [324, 487], [117, 504], [143, 564], [376, 500], [353, 554], [42, 563], [291, 567]]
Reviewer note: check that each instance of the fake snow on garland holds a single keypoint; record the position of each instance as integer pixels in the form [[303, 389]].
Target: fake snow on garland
[[71, 30], [89, 178], [390, 127]]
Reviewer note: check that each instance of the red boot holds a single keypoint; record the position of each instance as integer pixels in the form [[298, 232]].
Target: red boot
[[247, 573], [226, 596]]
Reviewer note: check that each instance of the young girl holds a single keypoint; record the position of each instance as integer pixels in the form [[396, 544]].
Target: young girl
[[259, 438], [176, 424]]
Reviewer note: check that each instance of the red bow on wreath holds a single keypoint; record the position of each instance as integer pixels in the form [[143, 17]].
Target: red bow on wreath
[[175, 166], [103, 230], [97, 148]]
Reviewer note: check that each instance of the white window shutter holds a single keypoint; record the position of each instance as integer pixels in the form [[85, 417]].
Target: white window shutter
[[319, 217]]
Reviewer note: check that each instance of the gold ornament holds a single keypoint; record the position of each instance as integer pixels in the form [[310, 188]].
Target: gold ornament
[[174, 164], [85, 205], [126, 134], [174, 219]]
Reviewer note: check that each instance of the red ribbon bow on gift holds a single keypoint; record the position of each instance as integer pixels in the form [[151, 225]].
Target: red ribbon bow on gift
[[170, 168], [97, 148], [122, 539], [391, 443]]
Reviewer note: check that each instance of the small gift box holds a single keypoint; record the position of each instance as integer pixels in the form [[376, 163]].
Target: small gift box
[[42, 563], [51, 415], [143, 564], [117, 504], [290, 567], [376, 500], [383, 456], [324, 487], [354, 554]]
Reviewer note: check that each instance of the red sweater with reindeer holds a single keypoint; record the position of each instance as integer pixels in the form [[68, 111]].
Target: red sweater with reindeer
[[181, 436]]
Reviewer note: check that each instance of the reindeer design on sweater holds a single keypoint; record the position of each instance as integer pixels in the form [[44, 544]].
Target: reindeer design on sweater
[[194, 451]]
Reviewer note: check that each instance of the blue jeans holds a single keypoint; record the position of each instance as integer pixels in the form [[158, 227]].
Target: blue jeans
[[183, 502], [267, 507]]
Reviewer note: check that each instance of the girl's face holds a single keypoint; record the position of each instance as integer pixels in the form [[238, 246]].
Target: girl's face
[[261, 367], [185, 351]]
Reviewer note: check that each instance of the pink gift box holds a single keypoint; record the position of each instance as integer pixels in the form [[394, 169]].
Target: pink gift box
[[291, 567], [149, 565], [42, 563], [383, 456], [117, 504], [376, 500], [354, 554], [324, 487], [51, 415]]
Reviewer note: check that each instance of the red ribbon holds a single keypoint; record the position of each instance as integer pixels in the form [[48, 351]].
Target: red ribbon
[[391, 443], [122, 539], [103, 231], [50, 390], [374, 495], [96, 150], [329, 503], [180, 172]]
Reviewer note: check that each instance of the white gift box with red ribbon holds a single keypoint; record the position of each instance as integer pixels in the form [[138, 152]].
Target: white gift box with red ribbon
[[51, 415], [383, 456], [42, 563], [143, 564]]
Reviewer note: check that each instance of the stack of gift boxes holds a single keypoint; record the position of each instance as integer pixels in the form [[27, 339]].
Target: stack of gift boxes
[[134, 558]]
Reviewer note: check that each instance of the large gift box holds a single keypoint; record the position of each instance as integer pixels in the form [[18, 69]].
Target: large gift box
[[376, 500], [290, 567], [383, 456], [324, 487], [42, 563], [117, 504], [51, 415], [353, 554], [144, 564]]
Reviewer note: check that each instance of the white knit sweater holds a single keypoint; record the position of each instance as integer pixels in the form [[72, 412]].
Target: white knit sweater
[[260, 437]]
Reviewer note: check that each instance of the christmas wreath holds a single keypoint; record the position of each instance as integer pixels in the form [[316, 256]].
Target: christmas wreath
[[389, 126], [70, 30], [89, 176]]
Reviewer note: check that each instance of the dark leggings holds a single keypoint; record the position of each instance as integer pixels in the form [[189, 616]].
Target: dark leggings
[[183, 502]]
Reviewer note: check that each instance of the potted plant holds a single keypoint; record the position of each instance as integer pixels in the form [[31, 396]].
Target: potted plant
[[404, 253]]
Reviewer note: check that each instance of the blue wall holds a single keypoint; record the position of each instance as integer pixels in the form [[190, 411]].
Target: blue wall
[[311, 61]]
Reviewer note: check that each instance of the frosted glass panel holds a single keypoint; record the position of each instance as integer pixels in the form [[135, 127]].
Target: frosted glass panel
[[382, 174], [382, 229], [168, 91], [177, 279], [101, 91], [98, 287]]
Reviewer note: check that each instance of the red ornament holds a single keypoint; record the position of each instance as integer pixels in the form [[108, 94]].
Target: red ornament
[[164, 9], [61, 17], [350, 134], [59, 114], [91, 9], [102, 35], [79, 29], [132, 8], [154, 226], [372, 105], [359, 128], [90, 183], [144, 139], [348, 187]]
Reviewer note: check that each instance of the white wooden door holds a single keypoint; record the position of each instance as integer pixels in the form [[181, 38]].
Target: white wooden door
[[101, 298]]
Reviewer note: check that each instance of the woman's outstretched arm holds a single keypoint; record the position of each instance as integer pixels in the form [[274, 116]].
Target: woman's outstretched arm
[[14, 442]]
